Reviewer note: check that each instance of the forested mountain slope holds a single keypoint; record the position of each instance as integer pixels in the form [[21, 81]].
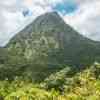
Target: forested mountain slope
[[45, 46]]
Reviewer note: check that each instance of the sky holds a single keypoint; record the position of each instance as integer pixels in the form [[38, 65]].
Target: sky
[[83, 15]]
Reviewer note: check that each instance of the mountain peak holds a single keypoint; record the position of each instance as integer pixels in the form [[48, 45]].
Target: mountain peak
[[51, 19], [49, 43], [53, 14]]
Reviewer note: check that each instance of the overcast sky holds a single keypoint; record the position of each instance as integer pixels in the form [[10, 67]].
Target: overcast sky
[[83, 15]]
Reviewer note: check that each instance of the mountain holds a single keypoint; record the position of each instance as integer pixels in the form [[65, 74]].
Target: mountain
[[46, 45]]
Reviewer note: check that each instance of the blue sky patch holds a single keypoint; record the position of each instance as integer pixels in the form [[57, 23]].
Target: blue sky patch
[[27, 12], [66, 7]]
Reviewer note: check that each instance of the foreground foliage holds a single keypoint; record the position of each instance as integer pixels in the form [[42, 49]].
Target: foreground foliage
[[84, 85]]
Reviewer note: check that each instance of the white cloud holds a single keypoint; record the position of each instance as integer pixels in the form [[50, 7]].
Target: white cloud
[[11, 15], [86, 19], [11, 18]]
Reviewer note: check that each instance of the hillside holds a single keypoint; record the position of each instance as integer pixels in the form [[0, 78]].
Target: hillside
[[49, 60], [46, 46], [84, 85]]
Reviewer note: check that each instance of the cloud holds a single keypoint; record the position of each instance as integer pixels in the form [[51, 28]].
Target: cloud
[[12, 15], [5, 8], [86, 19], [11, 19]]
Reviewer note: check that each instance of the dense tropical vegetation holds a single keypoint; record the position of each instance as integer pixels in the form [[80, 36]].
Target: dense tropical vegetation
[[62, 85]]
